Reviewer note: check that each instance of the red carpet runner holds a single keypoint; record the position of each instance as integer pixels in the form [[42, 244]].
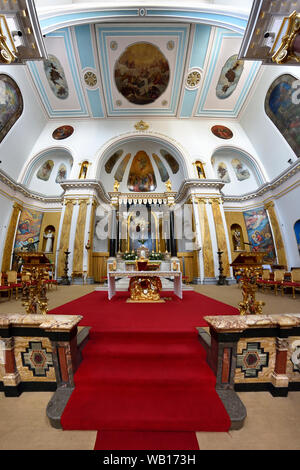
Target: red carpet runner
[[144, 369]]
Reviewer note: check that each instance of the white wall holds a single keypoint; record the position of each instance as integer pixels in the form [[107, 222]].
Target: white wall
[[273, 150], [17, 144], [194, 136]]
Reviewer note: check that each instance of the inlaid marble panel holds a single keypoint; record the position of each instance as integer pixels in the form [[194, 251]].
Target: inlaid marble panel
[[34, 359], [262, 360]]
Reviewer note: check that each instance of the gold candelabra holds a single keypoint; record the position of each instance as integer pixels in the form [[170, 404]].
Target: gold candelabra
[[250, 305]]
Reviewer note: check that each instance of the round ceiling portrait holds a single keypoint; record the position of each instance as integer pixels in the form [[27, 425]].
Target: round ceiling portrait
[[142, 73], [62, 132], [222, 132]]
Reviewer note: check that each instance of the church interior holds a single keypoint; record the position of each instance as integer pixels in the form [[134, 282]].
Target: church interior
[[150, 225]]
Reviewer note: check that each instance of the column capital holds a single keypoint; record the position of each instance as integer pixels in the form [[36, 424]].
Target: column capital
[[269, 205], [18, 206]]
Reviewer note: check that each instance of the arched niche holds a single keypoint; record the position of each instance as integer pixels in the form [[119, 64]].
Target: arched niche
[[47, 170], [116, 163], [237, 169], [48, 239], [237, 237]]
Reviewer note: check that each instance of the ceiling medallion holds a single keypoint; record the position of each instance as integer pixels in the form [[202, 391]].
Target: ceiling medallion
[[141, 126], [119, 103], [90, 78], [193, 79], [113, 45]]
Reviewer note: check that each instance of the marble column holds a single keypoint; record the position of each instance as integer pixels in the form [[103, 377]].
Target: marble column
[[208, 259], [11, 377], [90, 225], [199, 244], [173, 244], [79, 247], [220, 234], [10, 237], [279, 377], [64, 237], [280, 250], [113, 232]]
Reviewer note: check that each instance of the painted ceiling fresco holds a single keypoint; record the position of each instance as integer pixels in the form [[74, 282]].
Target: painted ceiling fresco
[[143, 69]]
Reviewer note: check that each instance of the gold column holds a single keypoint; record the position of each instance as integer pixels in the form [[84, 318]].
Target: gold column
[[92, 228], [208, 259], [10, 237], [64, 237], [269, 206], [220, 234], [79, 237]]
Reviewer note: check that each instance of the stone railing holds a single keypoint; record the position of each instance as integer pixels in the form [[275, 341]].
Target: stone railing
[[37, 352], [254, 352]]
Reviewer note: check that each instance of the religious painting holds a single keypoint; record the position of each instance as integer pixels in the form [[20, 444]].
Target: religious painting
[[222, 132], [62, 132], [28, 230], [173, 164], [241, 171], [161, 168], [142, 73], [297, 234], [230, 76], [56, 77], [112, 161], [11, 104], [259, 231], [45, 170], [282, 107], [141, 175], [222, 172], [122, 167], [61, 174]]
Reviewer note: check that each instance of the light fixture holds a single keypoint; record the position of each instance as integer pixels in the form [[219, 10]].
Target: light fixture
[[20, 33]]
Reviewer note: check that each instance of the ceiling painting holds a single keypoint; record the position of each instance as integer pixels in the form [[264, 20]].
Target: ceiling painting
[[230, 76], [143, 69], [142, 73]]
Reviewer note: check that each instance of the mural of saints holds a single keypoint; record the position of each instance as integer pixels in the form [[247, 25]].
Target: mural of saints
[[28, 231], [242, 173], [141, 175], [45, 170], [259, 231], [222, 172], [61, 174]]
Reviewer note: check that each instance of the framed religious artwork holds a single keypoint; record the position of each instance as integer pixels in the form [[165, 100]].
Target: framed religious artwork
[[222, 132]]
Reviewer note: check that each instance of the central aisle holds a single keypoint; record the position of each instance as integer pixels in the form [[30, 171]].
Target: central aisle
[[143, 367]]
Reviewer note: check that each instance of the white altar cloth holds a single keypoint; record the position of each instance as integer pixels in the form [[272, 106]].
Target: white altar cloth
[[112, 275]]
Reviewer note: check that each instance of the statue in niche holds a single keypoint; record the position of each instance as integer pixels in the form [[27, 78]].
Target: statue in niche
[[49, 237], [237, 238], [83, 170], [200, 170]]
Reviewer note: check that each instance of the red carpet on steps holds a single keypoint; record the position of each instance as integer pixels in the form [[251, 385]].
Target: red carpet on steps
[[144, 369], [133, 440]]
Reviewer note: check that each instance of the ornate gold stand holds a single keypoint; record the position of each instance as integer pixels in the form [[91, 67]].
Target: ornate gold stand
[[36, 266], [34, 294], [249, 266]]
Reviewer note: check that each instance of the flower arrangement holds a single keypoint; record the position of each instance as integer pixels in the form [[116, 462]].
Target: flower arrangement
[[156, 256], [129, 256]]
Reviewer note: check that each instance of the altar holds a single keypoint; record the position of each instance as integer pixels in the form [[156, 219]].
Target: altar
[[113, 275]]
